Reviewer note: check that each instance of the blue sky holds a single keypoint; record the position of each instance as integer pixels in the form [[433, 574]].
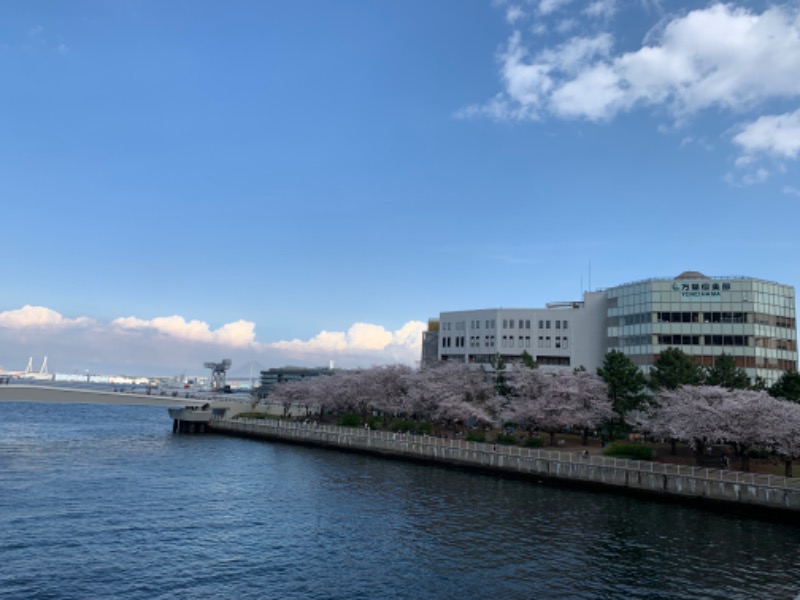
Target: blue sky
[[304, 182]]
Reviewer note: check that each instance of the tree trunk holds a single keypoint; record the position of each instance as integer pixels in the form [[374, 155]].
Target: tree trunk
[[673, 447], [585, 438], [744, 455], [700, 453], [552, 438], [787, 463]]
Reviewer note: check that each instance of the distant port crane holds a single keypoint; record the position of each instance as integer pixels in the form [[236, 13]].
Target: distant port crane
[[218, 373]]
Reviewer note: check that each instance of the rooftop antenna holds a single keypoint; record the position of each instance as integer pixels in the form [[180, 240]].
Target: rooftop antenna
[[218, 373]]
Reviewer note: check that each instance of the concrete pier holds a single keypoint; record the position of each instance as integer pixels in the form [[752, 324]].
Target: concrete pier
[[761, 495]]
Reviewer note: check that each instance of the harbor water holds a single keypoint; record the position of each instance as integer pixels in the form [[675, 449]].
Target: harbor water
[[105, 502]]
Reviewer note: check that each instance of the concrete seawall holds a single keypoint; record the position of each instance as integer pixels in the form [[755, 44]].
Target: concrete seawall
[[754, 493]]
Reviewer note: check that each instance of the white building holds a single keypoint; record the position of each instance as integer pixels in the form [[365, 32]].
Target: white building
[[563, 334], [750, 319]]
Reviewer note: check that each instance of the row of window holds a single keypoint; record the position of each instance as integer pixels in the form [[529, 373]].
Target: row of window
[[745, 362], [507, 324], [705, 340], [507, 341], [702, 317], [702, 340], [447, 342], [560, 342]]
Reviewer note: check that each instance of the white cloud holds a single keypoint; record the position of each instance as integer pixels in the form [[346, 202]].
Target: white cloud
[[240, 333], [566, 25], [360, 338], [514, 13], [549, 6], [721, 56], [539, 29], [748, 177], [792, 191], [774, 135], [174, 344], [601, 9], [38, 317]]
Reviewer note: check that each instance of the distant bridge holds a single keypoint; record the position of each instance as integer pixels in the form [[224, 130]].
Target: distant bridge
[[46, 393]]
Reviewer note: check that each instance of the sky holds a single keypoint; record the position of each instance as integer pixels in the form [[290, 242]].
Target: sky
[[300, 182]]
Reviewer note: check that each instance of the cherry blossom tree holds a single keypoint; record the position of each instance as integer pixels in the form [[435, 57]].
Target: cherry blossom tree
[[702, 415], [390, 385], [785, 430], [288, 394], [451, 393], [551, 401], [695, 414]]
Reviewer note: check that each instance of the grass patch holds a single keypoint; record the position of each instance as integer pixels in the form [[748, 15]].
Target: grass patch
[[255, 415], [534, 442], [506, 440], [350, 420], [630, 451]]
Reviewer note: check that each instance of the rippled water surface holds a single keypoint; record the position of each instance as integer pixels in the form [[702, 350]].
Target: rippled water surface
[[105, 502]]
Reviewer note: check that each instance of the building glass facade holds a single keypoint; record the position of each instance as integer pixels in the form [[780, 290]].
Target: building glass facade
[[749, 319]]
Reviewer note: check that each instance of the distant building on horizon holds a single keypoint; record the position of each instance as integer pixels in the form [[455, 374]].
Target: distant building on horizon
[[750, 319], [271, 377]]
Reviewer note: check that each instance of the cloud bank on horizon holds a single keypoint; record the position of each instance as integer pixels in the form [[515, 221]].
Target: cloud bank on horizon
[[172, 343], [560, 62]]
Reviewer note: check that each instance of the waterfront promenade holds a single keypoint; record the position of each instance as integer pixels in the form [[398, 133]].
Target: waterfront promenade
[[756, 493]]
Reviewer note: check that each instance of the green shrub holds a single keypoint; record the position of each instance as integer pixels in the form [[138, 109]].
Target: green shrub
[[508, 440], [350, 420], [631, 451], [534, 442], [424, 428], [403, 426], [375, 422], [476, 436], [758, 454], [254, 415]]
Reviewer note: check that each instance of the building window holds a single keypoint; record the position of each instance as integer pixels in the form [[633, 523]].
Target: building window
[[541, 324], [547, 323], [547, 341], [558, 340], [558, 324], [541, 342], [565, 343], [565, 325]]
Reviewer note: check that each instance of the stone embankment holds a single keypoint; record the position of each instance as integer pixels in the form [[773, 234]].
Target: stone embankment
[[753, 493]]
